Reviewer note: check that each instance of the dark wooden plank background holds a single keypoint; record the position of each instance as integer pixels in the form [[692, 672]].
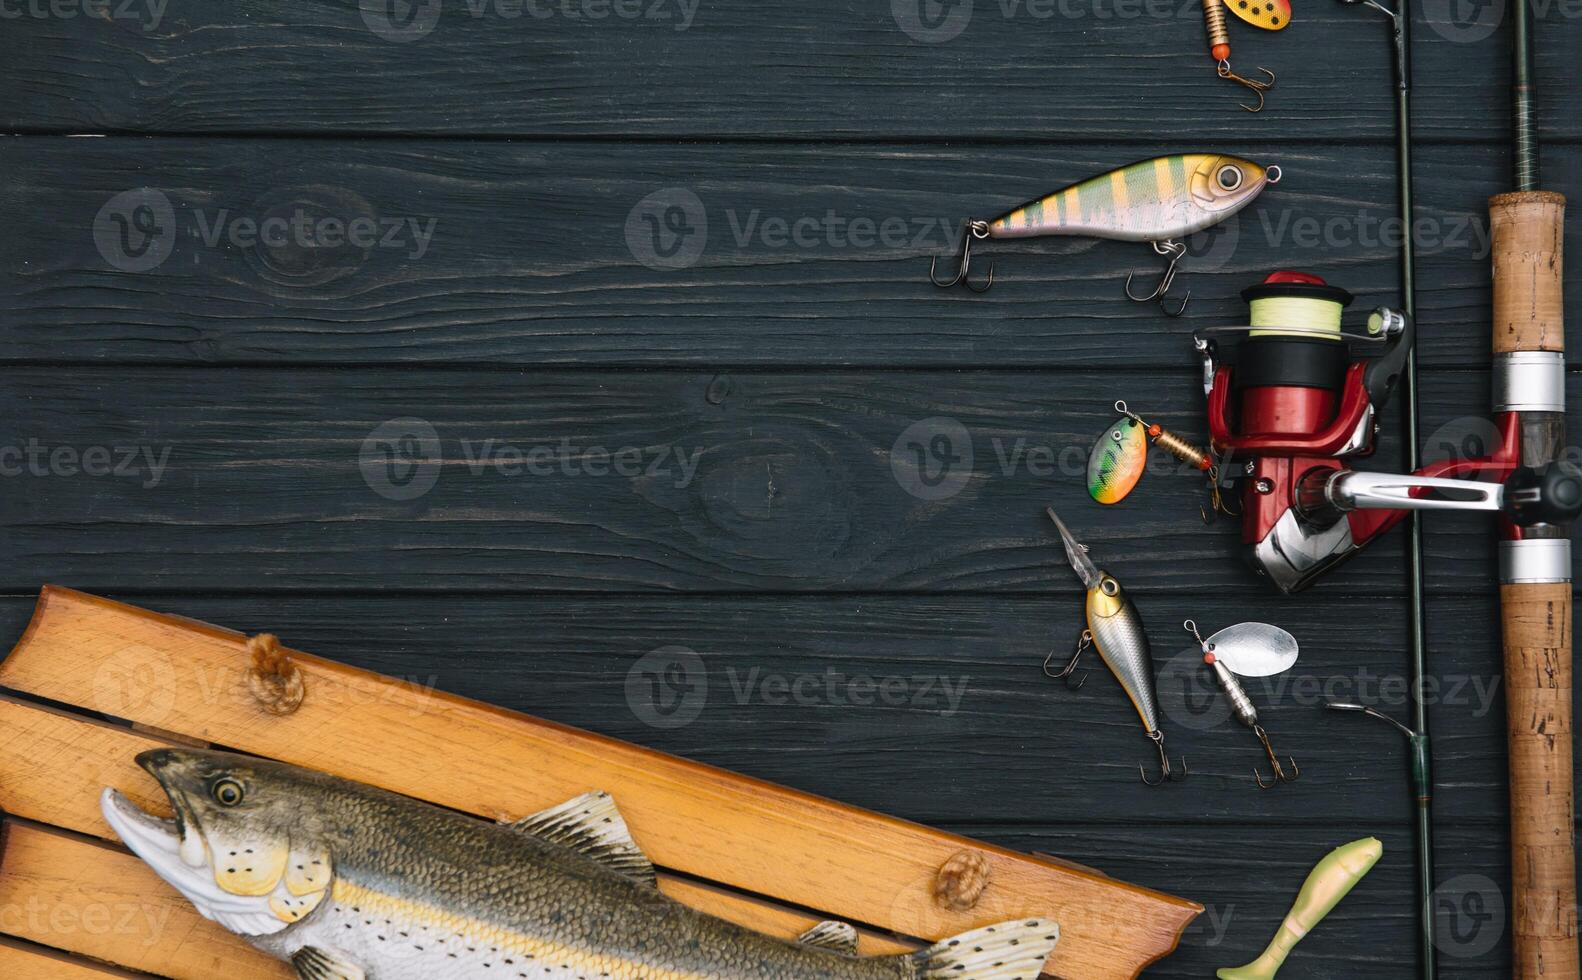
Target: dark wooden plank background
[[247, 387]]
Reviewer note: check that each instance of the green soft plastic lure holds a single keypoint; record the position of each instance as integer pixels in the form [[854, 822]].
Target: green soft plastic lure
[[1329, 882]]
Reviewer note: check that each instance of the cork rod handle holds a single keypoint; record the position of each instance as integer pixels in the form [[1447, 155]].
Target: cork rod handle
[[1528, 235]]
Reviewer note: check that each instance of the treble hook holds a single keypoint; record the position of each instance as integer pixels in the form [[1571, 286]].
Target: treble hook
[[1166, 773], [1258, 87], [1280, 774], [1174, 251], [974, 229], [1083, 642]]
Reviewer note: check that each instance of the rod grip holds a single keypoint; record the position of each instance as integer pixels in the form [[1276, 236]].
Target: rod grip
[[1528, 229], [1537, 633]]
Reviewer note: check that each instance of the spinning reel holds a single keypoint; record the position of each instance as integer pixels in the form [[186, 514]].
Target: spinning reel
[[1295, 408]]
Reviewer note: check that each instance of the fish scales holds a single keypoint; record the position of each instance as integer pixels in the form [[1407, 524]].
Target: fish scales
[[349, 881]]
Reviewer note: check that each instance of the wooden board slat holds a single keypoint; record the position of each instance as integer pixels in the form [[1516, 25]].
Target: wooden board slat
[[856, 865], [766, 482], [795, 482], [520, 253], [54, 765], [23, 961], [985, 70], [99, 901]]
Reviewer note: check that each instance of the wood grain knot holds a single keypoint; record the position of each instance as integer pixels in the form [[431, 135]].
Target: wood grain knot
[[275, 681], [961, 881]]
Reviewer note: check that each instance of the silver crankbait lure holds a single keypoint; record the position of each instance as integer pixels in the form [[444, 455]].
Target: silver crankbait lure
[[1116, 630]]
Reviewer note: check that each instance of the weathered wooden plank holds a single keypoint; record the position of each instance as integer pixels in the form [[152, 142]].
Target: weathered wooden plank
[[992, 70], [511, 253], [54, 765], [470, 756], [25, 961], [803, 482], [760, 482], [95, 900]]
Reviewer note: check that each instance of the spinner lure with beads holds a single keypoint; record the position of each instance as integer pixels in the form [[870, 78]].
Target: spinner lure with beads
[[1117, 461]]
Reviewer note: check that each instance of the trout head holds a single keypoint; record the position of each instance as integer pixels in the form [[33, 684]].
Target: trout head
[[1224, 185], [247, 847]]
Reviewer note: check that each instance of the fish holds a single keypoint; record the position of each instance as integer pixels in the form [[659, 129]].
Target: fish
[[1117, 460], [350, 882], [1158, 200], [1331, 880]]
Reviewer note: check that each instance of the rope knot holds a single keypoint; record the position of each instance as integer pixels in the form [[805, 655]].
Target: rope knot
[[961, 881], [275, 682]]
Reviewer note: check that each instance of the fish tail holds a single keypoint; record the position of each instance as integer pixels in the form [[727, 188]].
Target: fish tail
[[1009, 951]]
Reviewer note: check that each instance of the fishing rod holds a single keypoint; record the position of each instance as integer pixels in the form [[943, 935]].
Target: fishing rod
[[1535, 562], [1399, 22]]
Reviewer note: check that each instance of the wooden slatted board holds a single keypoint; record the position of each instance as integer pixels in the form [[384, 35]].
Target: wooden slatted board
[[745, 850]]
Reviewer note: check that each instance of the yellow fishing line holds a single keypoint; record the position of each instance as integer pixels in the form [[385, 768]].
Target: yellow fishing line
[[1296, 311]]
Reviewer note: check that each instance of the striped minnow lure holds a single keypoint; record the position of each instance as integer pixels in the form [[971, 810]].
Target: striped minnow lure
[[1159, 201], [1116, 630], [349, 882]]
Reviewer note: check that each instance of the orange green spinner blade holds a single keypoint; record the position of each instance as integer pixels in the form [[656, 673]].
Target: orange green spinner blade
[[1116, 463]]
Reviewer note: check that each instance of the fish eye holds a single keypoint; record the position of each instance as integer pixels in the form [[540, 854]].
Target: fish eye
[[1116, 435], [1229, 177], [1109, 586], [227, 792]]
